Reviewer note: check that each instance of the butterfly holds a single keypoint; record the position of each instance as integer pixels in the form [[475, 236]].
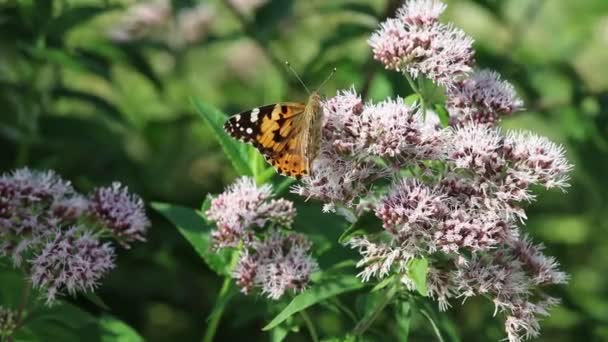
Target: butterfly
[[288, 134]]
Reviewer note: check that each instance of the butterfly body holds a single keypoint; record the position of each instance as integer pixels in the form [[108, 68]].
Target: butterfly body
[[288, 134]]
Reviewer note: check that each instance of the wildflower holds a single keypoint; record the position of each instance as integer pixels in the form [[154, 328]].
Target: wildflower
[[543, 270], [338, 179], [483, 98], [478, 149], [342, 123], [121, 212], [411, 208], [416, 43], [522, 321], [142, 20], [8, 322], [244, 206], [71, 261], [440, 287], [31, 203], [542, 161], [276, 264], [393, 129], [463, 230], [155, 20], [247, 6], [192, 25], [379, 258]]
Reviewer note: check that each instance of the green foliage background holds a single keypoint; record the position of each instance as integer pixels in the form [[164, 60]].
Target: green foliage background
[[94, 111]]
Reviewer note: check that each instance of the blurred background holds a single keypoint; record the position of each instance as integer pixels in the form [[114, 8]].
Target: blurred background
[[100, 91]]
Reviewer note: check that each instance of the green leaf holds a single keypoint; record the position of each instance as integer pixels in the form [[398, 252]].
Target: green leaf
[[412, 99], [193, 227], [403, 319], [114, 330], [134, 56], [367, 223], [206, 205], [384, 283], [326, 288], [73, 17], [444, 115], [100, 103], [233, 149], [95, 299], [417, 271]]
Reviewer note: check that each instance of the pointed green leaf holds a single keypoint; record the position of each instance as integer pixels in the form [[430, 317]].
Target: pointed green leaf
[[444, 115], [116, 330], [324, 289], [193, 227], [234, 150], [403, 318], [416, 271], [384, 283]]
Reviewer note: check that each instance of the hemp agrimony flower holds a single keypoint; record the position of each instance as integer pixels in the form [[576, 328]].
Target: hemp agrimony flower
[[121, 212], [458, 193], [243, 207], [415, 42], [155, 20], [53, 233], [482, 98], [270, 259]]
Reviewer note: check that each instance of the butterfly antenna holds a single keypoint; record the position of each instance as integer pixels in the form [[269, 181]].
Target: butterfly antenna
[[297, 76], [327, 79]]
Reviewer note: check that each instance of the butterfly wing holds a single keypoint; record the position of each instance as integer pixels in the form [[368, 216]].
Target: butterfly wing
[[276, 131]]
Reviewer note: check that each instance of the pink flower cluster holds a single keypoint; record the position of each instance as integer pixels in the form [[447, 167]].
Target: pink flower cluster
[[242, 208], [458, 193], [155, 20], [415, 42], [278, 263], [39, 218], [482, 98], [271, 259]]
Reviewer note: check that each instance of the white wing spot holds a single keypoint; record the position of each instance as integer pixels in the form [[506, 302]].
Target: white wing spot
[[254, 114], [249, 130], [242, 129], [238, 117]]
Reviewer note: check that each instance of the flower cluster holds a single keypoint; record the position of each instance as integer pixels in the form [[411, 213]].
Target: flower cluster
[[458, 193], [247, 6], [482, 98], [50, 230], [156, 20], [243, 207], [415, 42], [121, 212], [273, 260], [276, 264], [8, 322]]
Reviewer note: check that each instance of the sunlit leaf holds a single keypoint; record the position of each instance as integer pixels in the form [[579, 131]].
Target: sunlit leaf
[[232, 148], [193, 227], [417, 271], [324, 289]]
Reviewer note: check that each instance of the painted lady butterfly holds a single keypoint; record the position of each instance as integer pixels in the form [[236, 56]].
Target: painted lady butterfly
[[288, 134]]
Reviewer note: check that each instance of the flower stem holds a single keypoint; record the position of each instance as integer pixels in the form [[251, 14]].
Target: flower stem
[[222, 299], [418, 90], [365, 323], [25, 295], [310, 326], [435, 328]]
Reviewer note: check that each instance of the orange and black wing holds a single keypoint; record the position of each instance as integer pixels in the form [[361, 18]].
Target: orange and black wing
[[275, 130]]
